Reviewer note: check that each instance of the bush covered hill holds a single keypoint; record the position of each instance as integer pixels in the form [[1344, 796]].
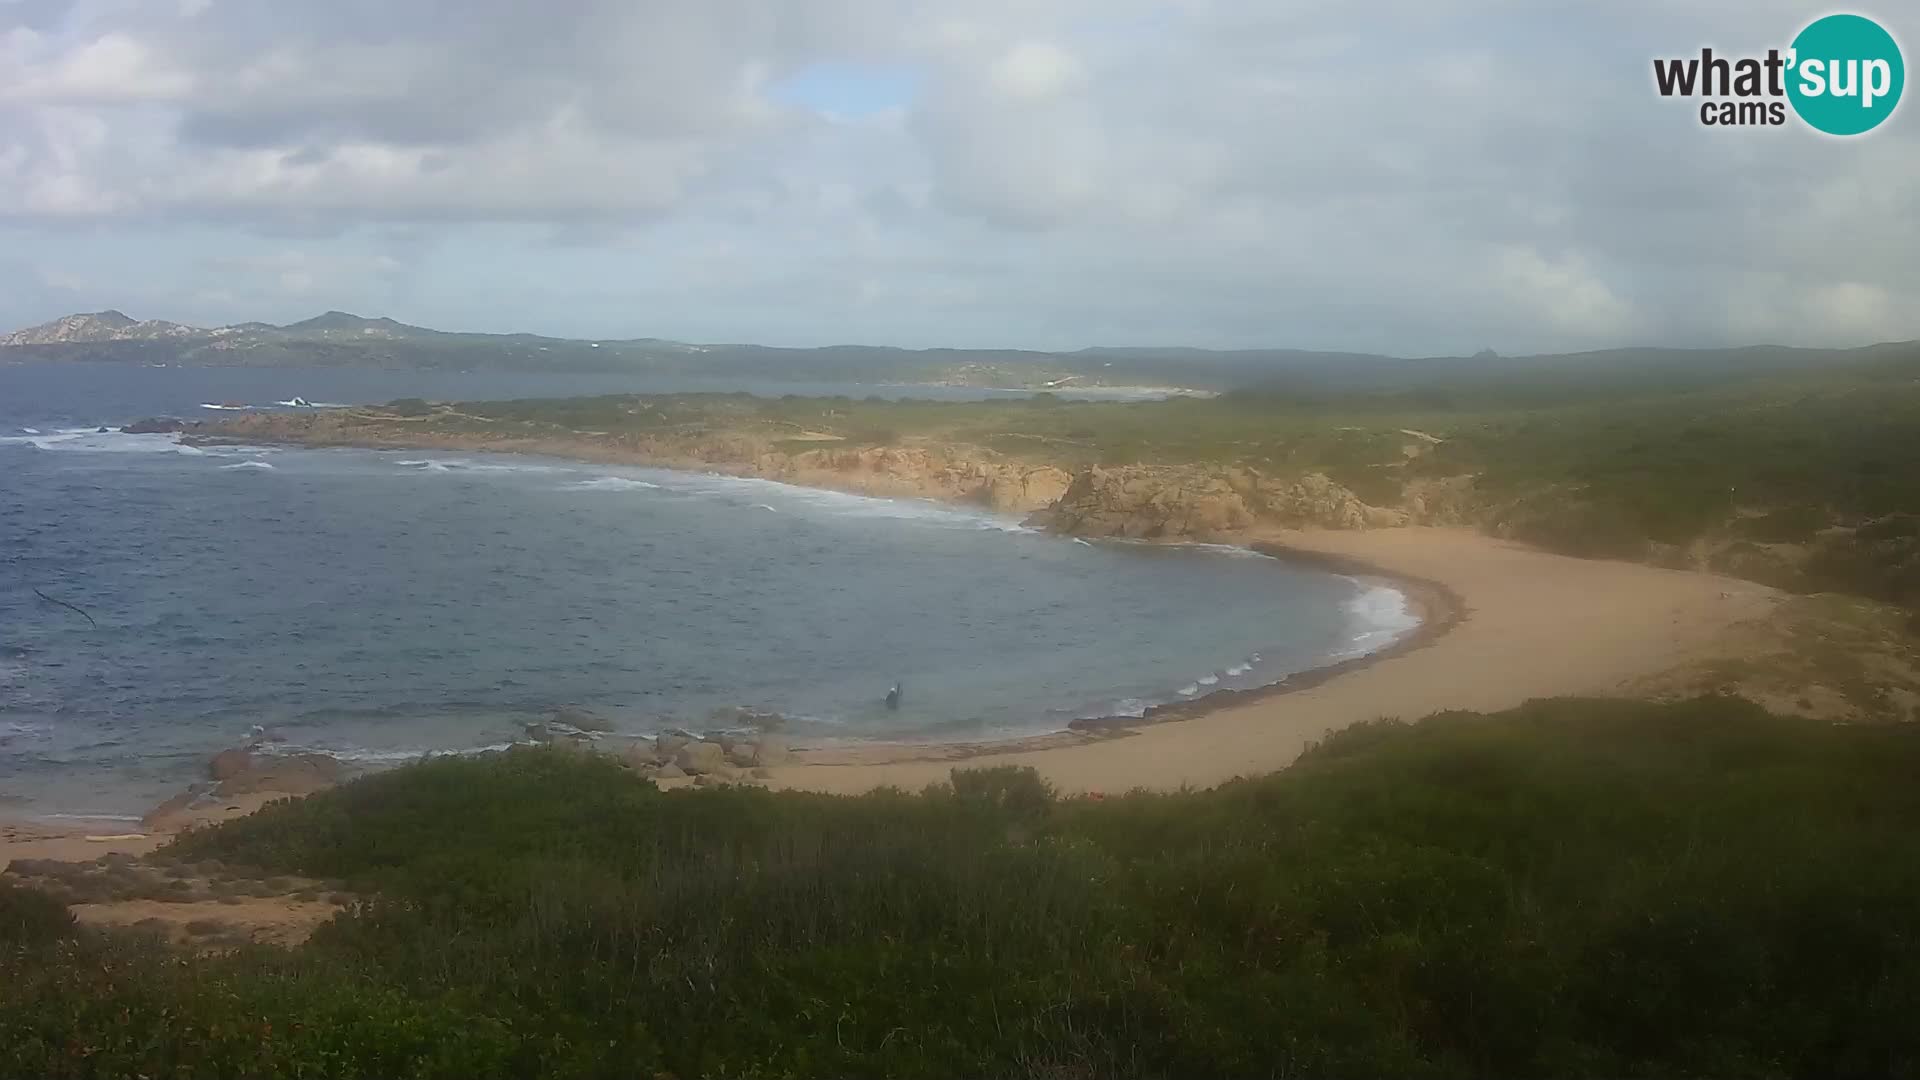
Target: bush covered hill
[[1810, 482], [1573, 888]]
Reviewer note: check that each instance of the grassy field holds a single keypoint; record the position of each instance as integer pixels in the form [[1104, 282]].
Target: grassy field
[[1574, 888]]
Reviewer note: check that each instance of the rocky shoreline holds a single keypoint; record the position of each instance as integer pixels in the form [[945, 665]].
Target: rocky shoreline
[[1208, 503]]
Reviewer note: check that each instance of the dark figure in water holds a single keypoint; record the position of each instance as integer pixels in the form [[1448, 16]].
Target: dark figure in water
[[893, 697]]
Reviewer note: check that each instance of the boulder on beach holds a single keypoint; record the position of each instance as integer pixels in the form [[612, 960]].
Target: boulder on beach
[[772, 750], [668, 744], [299, 774], [229, 763], [699, 758]]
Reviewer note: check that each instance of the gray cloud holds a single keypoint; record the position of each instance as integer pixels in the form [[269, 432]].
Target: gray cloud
[[1408, 176]]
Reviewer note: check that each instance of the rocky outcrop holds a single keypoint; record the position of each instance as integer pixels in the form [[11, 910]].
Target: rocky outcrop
[[771, 750], [1021, 491], [297, 774], [697, 758], [1312, 500], [1147, 503], [951, 474], [1184, 502], [228, 764], [1446, 500], [156, 425]]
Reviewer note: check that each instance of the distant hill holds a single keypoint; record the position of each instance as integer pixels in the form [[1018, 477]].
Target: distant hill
[[344, 339], [98, 326]]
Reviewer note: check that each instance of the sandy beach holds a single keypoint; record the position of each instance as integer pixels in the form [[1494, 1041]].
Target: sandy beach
[[1530, 625]]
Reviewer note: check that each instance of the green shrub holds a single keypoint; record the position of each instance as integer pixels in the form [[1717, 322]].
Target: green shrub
[[31, 917], [1589, 888]]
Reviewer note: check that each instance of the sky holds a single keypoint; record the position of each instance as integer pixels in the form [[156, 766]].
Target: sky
[[1415, 177]]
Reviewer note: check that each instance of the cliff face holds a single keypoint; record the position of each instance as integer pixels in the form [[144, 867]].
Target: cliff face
[[1158, 502], [1173, 502]]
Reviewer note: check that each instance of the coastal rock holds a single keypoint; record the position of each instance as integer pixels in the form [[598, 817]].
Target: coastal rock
[[573, 744], [772, 750], [698, 758], [1447, 500], [166, 816], [1155, 502], [229, 763], [299, 774], [741, 754], [155, 425], [640, 755], [1312, 500], [668, 744], [1147, 503], [670, 771], [1028, 490]]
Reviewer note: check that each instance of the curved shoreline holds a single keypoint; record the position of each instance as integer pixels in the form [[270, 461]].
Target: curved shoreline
[[1516, 624], [1231, 733], [1437, 607]]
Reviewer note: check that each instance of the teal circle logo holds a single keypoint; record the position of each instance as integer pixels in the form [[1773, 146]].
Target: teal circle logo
[[1845, 74]]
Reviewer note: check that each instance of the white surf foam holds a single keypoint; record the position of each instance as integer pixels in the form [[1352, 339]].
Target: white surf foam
[[93, 440], [248, 465], [1239, 669], [1190, 690], [818, 502], [1378, 617], [364, 756], [498, 467], [1209, 680], [612, 483]]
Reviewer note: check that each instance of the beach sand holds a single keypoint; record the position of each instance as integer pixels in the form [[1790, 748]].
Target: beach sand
[[1529, 624], [32, 839]]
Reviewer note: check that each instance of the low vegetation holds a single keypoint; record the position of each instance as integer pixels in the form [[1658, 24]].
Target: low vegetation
[[1573, 888], [1809, 481]]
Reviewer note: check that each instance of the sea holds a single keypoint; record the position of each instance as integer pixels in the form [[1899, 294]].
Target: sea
[[160, 602]]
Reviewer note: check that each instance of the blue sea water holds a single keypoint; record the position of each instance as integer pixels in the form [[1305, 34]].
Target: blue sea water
[[377, 605]]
